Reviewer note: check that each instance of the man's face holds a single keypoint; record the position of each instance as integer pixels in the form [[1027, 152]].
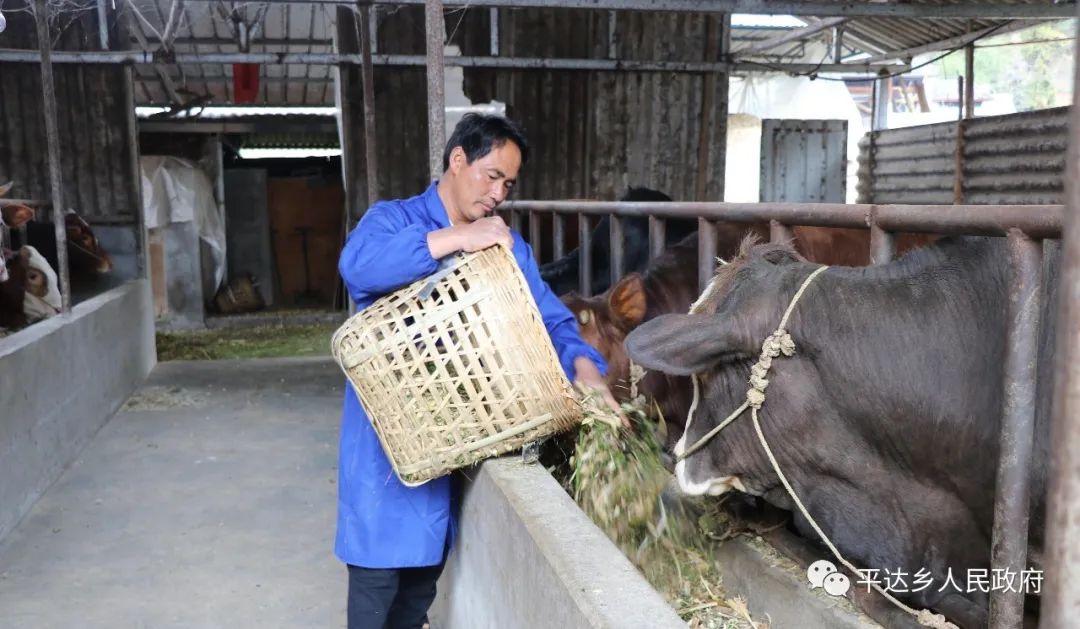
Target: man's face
[[478, 188]]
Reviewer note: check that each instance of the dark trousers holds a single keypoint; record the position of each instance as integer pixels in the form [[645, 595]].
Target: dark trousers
[[391, 598]]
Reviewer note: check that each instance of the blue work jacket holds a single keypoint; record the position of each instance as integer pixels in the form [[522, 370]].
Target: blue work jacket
[[382, 523]]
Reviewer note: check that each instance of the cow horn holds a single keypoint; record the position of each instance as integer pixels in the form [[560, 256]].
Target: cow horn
[[5, 188], [584, 317]]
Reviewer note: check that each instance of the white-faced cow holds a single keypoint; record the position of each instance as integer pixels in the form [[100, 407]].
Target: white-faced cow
[[885, 420]]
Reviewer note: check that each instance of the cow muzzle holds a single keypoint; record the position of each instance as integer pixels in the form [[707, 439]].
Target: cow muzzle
[[716, 486]]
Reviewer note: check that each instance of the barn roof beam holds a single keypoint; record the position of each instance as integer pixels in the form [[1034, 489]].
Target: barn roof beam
[[953, 42], [220, 41], [818, 8], [517, 63], [798, 34]]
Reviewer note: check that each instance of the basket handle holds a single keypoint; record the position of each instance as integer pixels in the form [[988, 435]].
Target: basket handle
[[446, 267]]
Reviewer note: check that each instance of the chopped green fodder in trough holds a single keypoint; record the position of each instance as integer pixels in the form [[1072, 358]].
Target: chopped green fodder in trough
[[241, 343], [617, 479]]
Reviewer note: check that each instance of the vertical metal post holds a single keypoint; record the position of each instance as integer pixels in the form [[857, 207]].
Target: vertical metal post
[[373, 27], [436, 84], [958, 162], [969, 81], [706, 252], [882, 101], [558, 235], [959, 98], [515, 220], [657, 236], [535, 234], [1012, 500], [371, 159], [779, 232], [52, 139], [1060, 605], [493, 18], [618, 248], [135, 175], [103, 24], [882, 245], [838, 43], [612, 49], [584, 256]]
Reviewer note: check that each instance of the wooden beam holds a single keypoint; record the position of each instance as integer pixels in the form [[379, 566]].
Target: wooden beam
[[52, 141]]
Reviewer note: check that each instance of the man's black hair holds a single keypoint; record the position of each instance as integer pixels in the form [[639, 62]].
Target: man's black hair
[[477, 134]]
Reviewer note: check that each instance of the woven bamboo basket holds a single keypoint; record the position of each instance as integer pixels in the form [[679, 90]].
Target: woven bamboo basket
[[456, 367]]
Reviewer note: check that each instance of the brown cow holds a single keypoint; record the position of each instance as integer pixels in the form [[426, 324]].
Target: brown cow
[[670, 285], [13, 291], [86, 256], [16, 215]]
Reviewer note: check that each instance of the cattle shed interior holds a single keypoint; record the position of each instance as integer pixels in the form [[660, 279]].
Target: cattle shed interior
[[219, 152]]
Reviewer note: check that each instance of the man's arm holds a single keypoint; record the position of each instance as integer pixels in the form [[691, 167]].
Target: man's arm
[[385, 252], [581, 362]]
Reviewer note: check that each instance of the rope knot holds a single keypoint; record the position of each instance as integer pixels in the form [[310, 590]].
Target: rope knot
[[777, 343], [755, 398], [637, 372], [928, 618]]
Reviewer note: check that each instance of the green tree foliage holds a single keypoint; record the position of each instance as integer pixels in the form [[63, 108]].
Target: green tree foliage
[[1035, 67]]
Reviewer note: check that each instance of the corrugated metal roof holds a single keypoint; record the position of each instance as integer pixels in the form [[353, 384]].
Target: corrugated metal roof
[[309, 27], [293, 27], [292, 141]]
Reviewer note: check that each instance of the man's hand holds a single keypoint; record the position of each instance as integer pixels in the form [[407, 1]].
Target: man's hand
[[469, 237], [587, 375]]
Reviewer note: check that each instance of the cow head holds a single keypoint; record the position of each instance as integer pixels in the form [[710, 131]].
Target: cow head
[[13, 290], [16, 215], [84, 244], [42, 298], [604, 321], [719, 342]]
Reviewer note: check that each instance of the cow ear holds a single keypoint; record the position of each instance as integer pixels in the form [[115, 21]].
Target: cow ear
[[681, 345], [627, 301]]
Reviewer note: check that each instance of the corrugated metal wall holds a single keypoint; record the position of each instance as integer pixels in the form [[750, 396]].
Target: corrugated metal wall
[[93, 117], [597, 132], [593, 133], [1013, 159]]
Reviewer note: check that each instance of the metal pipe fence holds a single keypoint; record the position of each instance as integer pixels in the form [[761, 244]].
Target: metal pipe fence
[[1025, 226]]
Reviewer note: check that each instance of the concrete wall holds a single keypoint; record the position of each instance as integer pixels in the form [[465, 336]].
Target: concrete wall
[[60, 380], [526, 557]]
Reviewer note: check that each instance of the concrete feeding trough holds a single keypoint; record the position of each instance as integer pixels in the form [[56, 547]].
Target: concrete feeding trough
[[526, 556]]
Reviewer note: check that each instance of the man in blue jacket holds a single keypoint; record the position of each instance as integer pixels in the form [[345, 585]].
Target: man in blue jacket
[[393, 538]]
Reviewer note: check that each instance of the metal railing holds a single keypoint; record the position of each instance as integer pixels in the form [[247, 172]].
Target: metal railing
[[1023, 225]]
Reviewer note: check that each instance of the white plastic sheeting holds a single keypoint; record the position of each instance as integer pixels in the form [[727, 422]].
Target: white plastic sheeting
[[176, 190]]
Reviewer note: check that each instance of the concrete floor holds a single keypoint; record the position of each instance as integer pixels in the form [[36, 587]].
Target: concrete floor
[[209, 501]]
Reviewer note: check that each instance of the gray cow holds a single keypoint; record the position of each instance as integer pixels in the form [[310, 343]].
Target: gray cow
[[885, 419]]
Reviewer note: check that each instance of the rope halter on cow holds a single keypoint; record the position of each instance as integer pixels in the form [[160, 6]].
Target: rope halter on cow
[[777, 344]]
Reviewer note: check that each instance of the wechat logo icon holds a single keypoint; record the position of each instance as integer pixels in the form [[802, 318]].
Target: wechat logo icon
[[823, 574]]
